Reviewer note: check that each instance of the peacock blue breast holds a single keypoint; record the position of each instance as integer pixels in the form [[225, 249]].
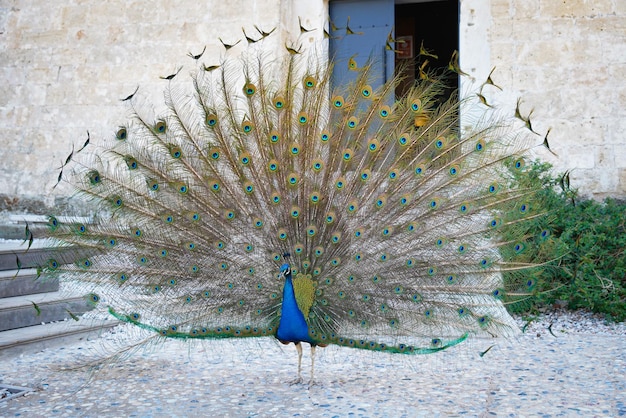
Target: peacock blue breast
[[292, 326]]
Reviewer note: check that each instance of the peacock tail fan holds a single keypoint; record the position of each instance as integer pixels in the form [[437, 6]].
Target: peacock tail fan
[[393, 217]]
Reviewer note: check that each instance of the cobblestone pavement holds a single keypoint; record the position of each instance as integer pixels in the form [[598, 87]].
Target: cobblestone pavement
[[538, 374]]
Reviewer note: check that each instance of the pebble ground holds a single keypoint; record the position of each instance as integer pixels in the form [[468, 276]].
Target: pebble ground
[[578, 371]]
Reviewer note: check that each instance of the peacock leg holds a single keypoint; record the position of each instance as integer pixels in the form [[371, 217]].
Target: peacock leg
[[299, 378], [312, 381]]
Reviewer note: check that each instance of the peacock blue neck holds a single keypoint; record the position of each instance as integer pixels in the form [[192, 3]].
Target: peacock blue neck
[[292, 326]]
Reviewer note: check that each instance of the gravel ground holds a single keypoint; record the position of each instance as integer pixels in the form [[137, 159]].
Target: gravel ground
[[576, 367]]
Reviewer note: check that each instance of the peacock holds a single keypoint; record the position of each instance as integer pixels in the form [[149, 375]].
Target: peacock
[[266, 201]]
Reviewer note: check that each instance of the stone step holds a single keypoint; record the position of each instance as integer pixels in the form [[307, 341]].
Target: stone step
[[25, 282], [38, 337], [15, 254], [20, 311]]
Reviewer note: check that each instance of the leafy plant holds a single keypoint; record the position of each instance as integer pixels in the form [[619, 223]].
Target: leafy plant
[[580, 246]]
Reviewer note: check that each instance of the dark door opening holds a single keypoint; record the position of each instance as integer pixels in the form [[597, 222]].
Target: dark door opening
[[430, 26]]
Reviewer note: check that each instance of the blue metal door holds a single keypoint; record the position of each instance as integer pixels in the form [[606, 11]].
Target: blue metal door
[[371, 22]]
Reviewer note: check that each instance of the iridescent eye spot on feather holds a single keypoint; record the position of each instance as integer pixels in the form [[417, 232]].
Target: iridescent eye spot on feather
[[117, 201], [121, 134], [366, 298], [357, 257], [190, 246], [454, 170], [93, 298], [366, 91], [249, 89], [340, 183], [229, 215], [352, 123], [156, 289], [248, 248], [519, 248], [258, 223], [434, 204], [295, 149], [483, 321], [303, 118], [325, 136], [411, 227], [248, 187], [352, 206], [416, 105], [524, 208], [224, 266], [282, 234], [309, 82], [419, 170], [272, 166], [311, 231], [337, 102], [318, 251], [52, 223], [317, 165], [365, 174], [274, 137], [384, 112], [494, 188], [405, 200], [84, 263], [495, 223], [214, 185], [244, 158], [335, 237], [295, 211], [176, 152], [440, 142], [131, 162], [498, 293], [451, 279], [293, 179], [373, 145], [341, 294], [403, 139], [386, 232], [182, 189], [485, 263], [211, 120], [347, 154], [298, 248], [137, 233], [279, 102], [275, 198], [416, 297], [383, 257], [381, 201], [315, 197], [428, 313], [335, 261], [247, 126], [160, 126], [393, 174], [163, 253], [409, 263], [544, 234], [94, 177], [462, 248], [519, 164], [480, 145]]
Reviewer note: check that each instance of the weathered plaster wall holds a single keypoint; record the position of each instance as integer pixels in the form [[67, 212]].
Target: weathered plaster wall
[[65, 66], [567, 60]]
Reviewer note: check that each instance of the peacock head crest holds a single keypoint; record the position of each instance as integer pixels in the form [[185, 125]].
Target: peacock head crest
[[285, 271]]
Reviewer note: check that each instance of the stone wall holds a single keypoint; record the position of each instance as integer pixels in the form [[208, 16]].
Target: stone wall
[[65, 67], [566, 59]]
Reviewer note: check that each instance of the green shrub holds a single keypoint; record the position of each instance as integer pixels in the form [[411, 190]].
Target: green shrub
[[582, 260]]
